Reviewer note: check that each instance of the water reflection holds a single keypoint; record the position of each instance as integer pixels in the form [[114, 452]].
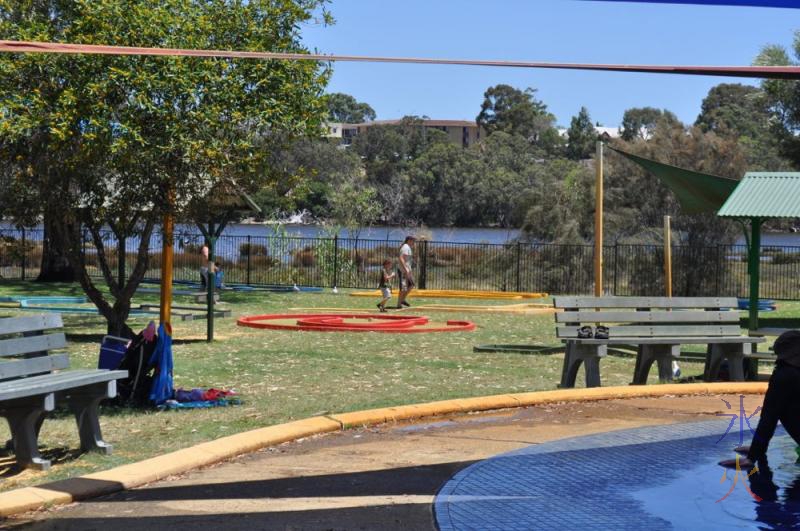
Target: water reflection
[[779, 507]]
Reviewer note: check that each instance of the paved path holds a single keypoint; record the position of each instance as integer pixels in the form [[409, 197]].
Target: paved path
[[383, 478]]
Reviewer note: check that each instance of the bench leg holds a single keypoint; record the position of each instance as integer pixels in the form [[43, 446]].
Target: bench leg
[[590, 356], [734, 353], [591, 365], [25, 420], [84, 405], [569, 371], [662, 355]]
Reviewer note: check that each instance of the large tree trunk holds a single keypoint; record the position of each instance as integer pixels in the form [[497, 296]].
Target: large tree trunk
[[55, 265]]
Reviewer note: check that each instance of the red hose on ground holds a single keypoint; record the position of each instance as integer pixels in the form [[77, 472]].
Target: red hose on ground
[[396, 324]]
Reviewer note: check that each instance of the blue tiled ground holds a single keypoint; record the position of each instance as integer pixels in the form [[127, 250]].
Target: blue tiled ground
[[653, 478]]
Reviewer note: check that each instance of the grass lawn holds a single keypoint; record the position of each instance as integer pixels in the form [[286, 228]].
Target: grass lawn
[[282, 376]]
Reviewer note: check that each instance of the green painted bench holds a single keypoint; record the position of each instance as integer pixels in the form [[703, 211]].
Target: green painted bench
[[33, 380], [656, 327]]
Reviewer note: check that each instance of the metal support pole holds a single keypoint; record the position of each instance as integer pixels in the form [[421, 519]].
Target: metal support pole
[[166, 266], [249, 252], [211, 282], [667, 256], [616, 252], [598, 223], [335, 260], [24, 253], [423, 265], [754, 261], [519, 258]]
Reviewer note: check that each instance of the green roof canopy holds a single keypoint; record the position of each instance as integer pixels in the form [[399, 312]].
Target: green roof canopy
[[697, 192], [758, 196], [765, 195]]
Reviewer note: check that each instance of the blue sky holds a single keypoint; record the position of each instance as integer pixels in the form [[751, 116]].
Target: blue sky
[[541, 30]]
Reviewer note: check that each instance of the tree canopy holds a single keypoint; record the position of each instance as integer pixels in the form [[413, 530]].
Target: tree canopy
[[581, 136], [96, 140], [641, 122], [518, 112], [345, 108]]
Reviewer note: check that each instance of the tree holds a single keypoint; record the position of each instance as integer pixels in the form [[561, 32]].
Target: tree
[[641, 122], [345, 108], [441, 185], [387, 152], [99, 140], [310, 169], [517, 112], [581, 136], [741, 112], [637, 201], [783, 98], [560, 204]]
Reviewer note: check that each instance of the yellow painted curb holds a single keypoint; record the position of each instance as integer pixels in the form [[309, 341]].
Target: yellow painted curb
[[207, 453]]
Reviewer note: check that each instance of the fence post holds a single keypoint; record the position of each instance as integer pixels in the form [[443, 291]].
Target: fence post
[[616, 250], [719, 271], [249, 252], [335, 260], [423, 264], [519, 257], [24, 253]]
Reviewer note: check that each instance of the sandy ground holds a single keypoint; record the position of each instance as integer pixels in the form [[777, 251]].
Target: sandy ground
[[379, 478]]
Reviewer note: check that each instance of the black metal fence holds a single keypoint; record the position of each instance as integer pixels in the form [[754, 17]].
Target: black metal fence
[[355, 263]]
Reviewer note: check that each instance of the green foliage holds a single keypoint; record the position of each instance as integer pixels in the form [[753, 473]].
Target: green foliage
[[581, 136], [345, 108], [119, 139], [783, 98], [310, 170], [354, 205], [741, 112], [561, 203], [518, 112], [641, 122], [636, 200]]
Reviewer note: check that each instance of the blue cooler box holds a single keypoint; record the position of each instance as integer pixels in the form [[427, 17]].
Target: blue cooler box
[[112, 350]]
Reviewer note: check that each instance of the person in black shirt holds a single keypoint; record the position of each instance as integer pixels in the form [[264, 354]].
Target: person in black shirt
[[781, 403]]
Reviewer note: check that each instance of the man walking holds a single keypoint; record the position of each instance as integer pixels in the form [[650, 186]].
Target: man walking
[[404, 273]]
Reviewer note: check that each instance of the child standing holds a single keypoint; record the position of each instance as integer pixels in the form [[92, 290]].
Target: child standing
[[385, 284]]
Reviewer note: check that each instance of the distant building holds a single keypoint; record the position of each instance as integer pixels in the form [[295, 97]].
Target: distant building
[[462, 132], [605, 133]]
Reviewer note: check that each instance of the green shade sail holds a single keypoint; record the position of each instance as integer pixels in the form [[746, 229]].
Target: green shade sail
[[765, 195], [697, 192]]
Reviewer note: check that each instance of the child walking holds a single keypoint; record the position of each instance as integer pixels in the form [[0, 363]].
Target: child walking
[[385, 284]]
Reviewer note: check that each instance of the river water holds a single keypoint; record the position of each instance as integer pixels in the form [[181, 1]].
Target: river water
[[439, 234]]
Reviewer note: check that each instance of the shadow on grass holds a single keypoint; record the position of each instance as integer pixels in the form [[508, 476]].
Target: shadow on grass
[[86, 338], [774, 322], [56, 456]]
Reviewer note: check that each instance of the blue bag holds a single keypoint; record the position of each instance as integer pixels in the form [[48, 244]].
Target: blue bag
[[161, 390]]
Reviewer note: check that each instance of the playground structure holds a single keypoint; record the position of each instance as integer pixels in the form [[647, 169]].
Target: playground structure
[[392, 324], [460, 294]]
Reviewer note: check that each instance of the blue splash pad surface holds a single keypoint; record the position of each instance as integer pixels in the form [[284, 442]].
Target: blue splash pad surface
[[654, 478]]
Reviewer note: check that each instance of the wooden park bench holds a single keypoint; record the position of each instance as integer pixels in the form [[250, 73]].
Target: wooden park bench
[[656, 327], [33, 382]]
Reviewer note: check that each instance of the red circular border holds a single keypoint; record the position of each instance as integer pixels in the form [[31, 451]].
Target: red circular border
[[325, 322]]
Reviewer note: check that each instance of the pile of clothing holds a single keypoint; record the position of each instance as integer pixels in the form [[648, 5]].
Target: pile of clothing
[[148, 360], [199, 398]]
